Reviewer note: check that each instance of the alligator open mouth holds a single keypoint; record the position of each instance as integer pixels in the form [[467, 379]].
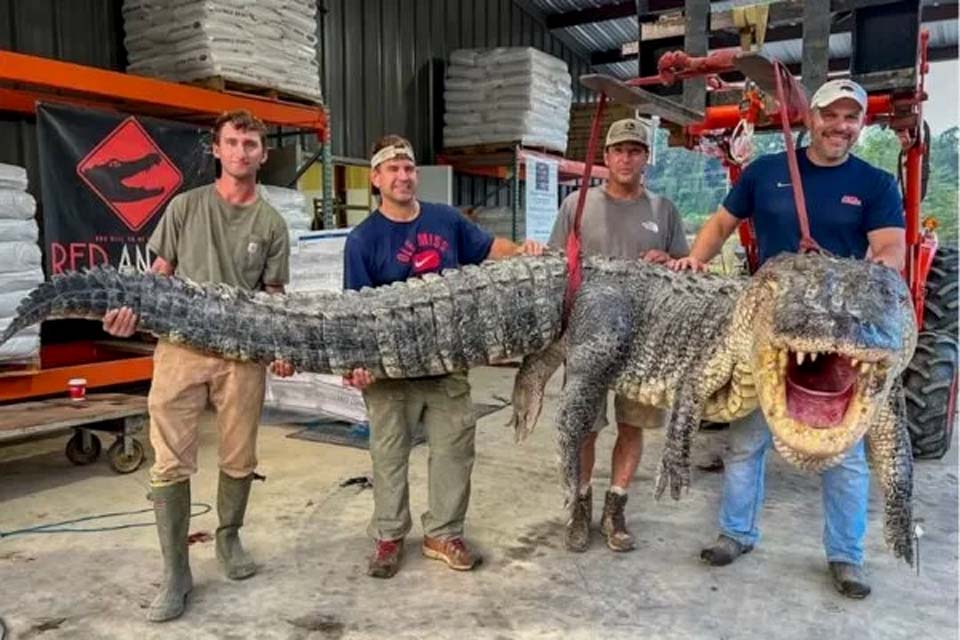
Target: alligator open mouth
[[820, 402], [820, 387]]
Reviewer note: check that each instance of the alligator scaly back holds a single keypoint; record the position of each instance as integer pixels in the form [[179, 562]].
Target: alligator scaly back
[[438, 324]]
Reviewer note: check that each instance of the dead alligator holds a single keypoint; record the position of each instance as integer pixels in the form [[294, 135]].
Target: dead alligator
[[817, 342], [108, 178]]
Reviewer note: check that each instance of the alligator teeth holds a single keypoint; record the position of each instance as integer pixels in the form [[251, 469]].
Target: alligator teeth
[[865, 368], [800, 356], [813, 356], [854, 362]]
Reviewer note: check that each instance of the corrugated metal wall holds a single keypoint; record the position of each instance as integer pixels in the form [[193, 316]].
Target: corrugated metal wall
[[382, 65], [383, 68], [83, 31]]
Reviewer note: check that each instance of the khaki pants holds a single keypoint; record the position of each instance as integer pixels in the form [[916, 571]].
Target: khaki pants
[[631, 412], [184, 381], [395, 408]]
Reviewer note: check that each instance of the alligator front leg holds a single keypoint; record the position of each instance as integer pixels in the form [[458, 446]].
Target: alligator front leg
[[529, 384], [601, 328], [674, 469], [891, 456]]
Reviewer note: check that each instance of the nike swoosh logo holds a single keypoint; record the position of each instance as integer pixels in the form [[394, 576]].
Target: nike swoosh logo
[[783, 184], [417, 264]]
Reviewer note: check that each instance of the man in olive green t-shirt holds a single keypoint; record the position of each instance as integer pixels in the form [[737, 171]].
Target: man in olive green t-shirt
[[621, 219], [219, 233]]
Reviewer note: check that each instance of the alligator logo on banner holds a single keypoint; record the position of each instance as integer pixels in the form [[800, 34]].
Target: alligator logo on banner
[[105, 181]]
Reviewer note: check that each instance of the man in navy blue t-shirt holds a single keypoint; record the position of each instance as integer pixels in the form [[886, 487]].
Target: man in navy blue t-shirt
[[856, 211], [401, 239]]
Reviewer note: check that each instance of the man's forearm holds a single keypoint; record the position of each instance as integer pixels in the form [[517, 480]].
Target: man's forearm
[[502, 248], [708, 242]]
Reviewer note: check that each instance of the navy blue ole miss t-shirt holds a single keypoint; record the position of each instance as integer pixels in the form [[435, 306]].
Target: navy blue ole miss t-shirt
[[844, 203], [380, 251]]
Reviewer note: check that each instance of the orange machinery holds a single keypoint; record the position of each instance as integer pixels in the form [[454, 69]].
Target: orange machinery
[[26, 80]]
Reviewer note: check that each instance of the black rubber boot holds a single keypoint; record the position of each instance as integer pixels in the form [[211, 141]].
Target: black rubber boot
[[577, 535], [171, 504], [232, 496]]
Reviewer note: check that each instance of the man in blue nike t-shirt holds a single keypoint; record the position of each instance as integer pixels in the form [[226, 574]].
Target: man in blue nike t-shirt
[[401, 239], [855, 210]]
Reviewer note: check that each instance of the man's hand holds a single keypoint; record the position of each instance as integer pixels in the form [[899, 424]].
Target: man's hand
[[121, 322], [531, 248], [688, 263], [656, 256], [360, 378], [282, 368]]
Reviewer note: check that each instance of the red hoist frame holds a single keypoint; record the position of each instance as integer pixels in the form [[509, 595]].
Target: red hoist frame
[[901, 111]]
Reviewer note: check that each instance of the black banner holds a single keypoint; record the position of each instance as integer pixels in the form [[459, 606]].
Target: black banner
[[106, 179]]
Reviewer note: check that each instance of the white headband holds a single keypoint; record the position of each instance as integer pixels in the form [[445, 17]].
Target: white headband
[[391, 152]]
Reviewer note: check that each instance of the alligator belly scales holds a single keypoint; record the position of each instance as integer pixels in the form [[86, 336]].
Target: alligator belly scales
[[817, 343]]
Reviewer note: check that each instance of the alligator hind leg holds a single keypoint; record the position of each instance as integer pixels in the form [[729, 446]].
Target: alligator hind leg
[[600, 334]]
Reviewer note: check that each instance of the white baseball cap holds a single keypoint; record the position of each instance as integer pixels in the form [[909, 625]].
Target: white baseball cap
[[830, 92], [627, 130]]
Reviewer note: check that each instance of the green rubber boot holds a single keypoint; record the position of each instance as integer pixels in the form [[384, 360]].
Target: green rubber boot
[[171, 504], [232, 498]]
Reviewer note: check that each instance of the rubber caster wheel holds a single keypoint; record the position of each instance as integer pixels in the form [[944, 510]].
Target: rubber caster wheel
[[80, 456], [122, 462]]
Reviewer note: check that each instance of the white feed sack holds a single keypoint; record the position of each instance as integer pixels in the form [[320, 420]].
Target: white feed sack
[[508, 94], [292, 206], [20, 260], [268, 43]]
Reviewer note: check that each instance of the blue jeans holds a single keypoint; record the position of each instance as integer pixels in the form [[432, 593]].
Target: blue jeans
[[845, 492]]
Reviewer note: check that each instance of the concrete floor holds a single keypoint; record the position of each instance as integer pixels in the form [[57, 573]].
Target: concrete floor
[[308, 534]]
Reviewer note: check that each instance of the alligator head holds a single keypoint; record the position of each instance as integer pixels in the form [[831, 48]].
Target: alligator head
[[828, 340], [109, 177]]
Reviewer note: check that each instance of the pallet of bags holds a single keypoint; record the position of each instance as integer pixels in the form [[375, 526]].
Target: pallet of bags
[[20, 261], [316, 265], [268, 44], [291, 204], [506, 94]]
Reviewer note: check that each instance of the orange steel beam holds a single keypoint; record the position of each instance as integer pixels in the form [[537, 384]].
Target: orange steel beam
[[98, 374], [41, 78]]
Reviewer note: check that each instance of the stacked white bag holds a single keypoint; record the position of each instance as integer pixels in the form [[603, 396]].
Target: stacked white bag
[[268, 43], [507, 94], [20, 260], [291, 205]]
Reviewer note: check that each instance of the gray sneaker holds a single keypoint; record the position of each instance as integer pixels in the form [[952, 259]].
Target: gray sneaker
[[849, 581], [724, 551], [577, 535]]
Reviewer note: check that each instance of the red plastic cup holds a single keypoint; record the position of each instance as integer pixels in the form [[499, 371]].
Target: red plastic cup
[[77, 388]]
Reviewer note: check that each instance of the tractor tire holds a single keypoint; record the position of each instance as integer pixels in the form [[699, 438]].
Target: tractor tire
[[940, 306], [930, 386]]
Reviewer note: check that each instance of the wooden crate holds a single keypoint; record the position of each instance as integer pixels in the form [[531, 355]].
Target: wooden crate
[[581, 118]]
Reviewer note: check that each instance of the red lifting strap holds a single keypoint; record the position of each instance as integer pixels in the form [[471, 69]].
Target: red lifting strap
[[573, 249], [791, 106]]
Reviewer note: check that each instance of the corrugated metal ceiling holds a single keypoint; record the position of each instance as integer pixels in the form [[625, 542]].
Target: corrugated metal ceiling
[[613, 34]]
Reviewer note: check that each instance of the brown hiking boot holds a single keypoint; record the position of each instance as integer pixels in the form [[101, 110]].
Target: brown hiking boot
[[577, 535], [386, 558], [453, 551], [724, 551], [613, 525]]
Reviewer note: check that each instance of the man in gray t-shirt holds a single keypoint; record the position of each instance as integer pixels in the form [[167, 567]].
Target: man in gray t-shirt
[[621, 219]]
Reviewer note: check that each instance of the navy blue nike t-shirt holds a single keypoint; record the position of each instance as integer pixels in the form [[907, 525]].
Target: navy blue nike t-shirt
[[844, 203], [380, 251]]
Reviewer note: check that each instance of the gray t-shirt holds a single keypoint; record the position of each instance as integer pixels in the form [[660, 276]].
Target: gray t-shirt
[[622, 228]]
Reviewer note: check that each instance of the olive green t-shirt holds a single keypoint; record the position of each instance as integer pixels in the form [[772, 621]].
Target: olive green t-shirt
[[207, 239]]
